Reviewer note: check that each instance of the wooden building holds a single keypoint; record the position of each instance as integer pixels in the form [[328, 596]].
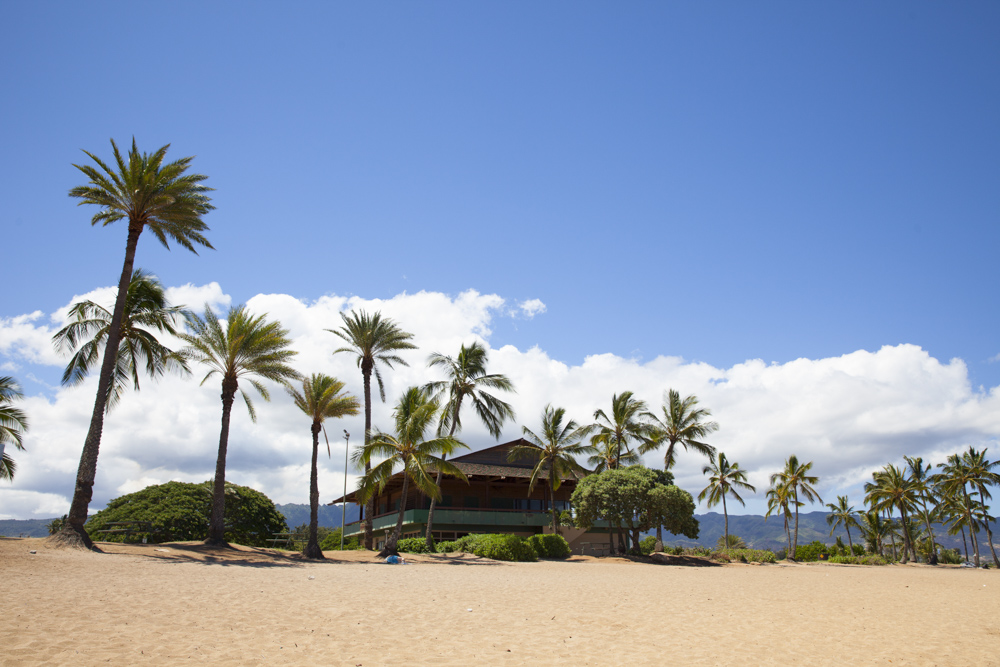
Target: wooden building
[[495, 500]]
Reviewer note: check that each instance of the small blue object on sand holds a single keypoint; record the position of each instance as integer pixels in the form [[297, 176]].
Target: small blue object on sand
[[393, 560]]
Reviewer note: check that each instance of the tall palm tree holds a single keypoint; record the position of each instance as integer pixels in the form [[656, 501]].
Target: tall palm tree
[[842, 514], [467, 378], [607, 456], [983, 476], [246, 347], [13, 424], [627, 423], [406, 448], [780, 498], [170, 202], [955, 478], [893, 490], [146, 310], [874, 529], [321, 398], [554, 451], [683, 423], [373, 339], [919, 475], [797, 480], [725, 479]]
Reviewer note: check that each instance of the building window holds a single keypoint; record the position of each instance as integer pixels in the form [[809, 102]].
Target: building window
[[472, 502]]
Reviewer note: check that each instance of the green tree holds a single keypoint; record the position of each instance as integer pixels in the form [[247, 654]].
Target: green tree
[[919, 475], [321, 398], [170, 203], [626, 424], [247, 348], [796, 480], [13, 424], [554, 451], [780, 498], [467, 378], [725, 479], [874, 529], [407, 449], [180, 511], [607, 456], [893, 490], [373, 340], [682, 424], [842, 514], [146, 310]]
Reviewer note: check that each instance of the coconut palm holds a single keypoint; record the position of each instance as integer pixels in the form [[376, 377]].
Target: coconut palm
[[406, 448], [13, 425], [725, 479], [467, 378], [874, 529], [982, 477], [554, 451], [628, 423], [321, 398], [955, 478], [146, 310], [149, 194], [796, 479], [245, 347], [682, 424], [374, 340], [842, 514], [780, 498], [893, 490], [607, 456], [919, 475]]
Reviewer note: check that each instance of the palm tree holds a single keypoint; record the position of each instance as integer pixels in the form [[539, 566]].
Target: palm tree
[[726, 478], [682, 424], [374, 340], [146, 309], [626, 424], [607, 456], [923, 487], [467, 378], [796, 480], [171, 203], [321, 398], [892, 489], [554, 450], [246, 347], [779, 497], [954, 480], [874, 529], [13, 424], [407, 448], [981, 477], [842, 514]]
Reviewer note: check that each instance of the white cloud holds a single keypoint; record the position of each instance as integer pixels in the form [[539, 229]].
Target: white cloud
[[994, 358], [848, 414], [531, 307]]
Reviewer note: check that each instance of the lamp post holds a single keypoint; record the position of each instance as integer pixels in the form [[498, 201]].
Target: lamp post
[[343, 505]]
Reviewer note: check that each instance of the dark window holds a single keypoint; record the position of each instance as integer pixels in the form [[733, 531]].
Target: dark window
[[472, 501], [502, 503]]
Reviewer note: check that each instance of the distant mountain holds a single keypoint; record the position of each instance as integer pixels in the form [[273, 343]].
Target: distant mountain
[[24, 527], [329, 515]]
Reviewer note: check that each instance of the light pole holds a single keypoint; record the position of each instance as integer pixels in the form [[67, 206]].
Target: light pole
[[343, 505]]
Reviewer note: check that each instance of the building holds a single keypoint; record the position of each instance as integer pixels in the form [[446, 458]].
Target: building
[[495, 500]]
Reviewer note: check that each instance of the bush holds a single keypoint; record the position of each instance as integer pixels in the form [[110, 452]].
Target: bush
[[331, 542], [950, 557], [807, 553], [781, 554], [858, 560], [550, 546], [447, 547], [747, 555], [735, 542], [497, 546], [413, 545], [647, 545]]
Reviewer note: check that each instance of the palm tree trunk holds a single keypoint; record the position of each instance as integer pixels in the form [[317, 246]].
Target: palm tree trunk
[[312, 548], [390, 545], [366, 373], [972, 526], [850, 545], [892, 535], [906, 535], [659, 539], [788, 536], [927, 522], [73, 533], [437, 483], [725, 515], [795, 543], [964, 544], [217, 523], [552, 503]]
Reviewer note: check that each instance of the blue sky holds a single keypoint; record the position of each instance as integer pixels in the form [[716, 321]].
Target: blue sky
[[718, 182]]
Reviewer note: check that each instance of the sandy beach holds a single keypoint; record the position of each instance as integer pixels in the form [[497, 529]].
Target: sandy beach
[[187, 604]]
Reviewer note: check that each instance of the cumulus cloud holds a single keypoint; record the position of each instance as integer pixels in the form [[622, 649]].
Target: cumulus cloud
[[849, 414], [531, 307]]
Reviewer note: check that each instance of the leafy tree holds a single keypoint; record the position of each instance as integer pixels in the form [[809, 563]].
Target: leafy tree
[[842, 514], [725, 479], [608, 456], [149, 194], [727, 542], [919, 475], [683, 423], [892, 489], [780, 498], [180, 511], [13, 424], [246, 347], [554, 451], [626, 424], [795, 479], [373, 340], [982, 476], [146, 310], [467, 378], [321, 398], [407, 449]]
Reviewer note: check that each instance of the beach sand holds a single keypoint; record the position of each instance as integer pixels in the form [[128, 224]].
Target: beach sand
[[184, 603]]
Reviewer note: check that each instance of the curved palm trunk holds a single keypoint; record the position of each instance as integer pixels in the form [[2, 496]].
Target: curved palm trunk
[[725, 514], [217, 523], [366, 373], [892, 535], [437, 484], [972, 526], [390, 545], [312, 548], [965, 544], [927, 523], [73, 532], [788, 536], [795, 542], [907, 542], [850, 545]]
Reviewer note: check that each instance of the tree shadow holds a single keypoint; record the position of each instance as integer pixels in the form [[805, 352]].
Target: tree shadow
[[678, 561]]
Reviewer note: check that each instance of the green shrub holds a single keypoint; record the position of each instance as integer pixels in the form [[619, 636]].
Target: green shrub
[[781, 554], [550, 546], [807, 553], [331, 542], [677, 551], [735, 542], [845, 560], [748, 555], [497, 546], [447, 547], [647, 545], [950, 557], [873, 559], [413, 545]]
